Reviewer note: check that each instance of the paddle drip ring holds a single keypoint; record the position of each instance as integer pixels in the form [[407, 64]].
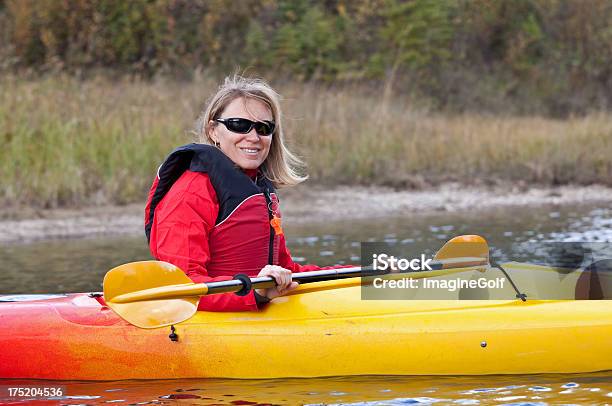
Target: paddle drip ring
[[246, 284]]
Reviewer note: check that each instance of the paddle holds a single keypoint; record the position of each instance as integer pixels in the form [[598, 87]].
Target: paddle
[[151, 294]]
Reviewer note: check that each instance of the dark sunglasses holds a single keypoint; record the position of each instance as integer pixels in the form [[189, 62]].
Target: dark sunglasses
[[243, 126]]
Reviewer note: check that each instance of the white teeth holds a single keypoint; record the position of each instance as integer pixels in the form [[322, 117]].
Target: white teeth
[[250, 150]]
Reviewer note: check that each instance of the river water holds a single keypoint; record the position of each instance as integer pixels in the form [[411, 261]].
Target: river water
[[79, 265]]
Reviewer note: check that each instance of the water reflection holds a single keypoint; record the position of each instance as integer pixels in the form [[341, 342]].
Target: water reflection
[[362, 390]]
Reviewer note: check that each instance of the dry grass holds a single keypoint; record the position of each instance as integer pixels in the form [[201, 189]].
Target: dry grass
[[67, 142]]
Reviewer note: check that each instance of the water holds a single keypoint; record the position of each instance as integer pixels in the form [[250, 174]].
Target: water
[[79, 265], [362, 390]]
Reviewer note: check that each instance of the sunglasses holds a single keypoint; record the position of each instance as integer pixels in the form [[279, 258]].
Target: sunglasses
[[243, 126]]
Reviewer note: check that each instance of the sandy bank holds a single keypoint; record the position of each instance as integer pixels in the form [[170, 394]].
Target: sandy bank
[[305, 205]]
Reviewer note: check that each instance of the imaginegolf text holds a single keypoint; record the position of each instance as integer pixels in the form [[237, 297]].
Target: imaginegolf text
[[449, 284]]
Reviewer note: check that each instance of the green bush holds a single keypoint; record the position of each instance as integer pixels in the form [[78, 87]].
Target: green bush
[[519, 56]]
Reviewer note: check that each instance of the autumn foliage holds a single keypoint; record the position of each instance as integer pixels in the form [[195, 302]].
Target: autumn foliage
[[547, 56]]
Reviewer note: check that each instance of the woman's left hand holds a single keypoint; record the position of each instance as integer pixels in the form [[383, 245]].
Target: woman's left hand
[[283, 280]]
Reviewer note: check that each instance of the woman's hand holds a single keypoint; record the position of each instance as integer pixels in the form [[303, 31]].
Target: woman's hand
[[282, 277]]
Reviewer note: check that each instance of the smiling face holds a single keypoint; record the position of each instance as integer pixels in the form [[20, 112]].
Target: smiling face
[[250, 150]]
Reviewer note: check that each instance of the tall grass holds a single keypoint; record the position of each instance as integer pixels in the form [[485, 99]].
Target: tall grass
[[67, 142]]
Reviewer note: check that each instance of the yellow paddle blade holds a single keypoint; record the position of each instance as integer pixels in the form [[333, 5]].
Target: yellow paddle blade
[[133, 278], [473, 246]]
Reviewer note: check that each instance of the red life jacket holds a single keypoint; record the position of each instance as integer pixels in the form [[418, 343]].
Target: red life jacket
[[242, 240]]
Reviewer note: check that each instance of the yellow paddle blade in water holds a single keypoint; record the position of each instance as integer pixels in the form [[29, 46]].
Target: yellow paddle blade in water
[[135, 291]]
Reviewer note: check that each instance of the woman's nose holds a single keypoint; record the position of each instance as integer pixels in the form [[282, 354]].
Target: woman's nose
[[252, 135]]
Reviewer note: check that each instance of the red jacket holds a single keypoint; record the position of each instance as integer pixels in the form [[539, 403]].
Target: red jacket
[[213, 233]]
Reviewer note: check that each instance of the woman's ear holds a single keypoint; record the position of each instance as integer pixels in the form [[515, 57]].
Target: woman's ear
[[211, 132]]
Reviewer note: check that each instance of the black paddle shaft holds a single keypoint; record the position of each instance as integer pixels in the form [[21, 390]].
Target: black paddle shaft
[[264, 282], [241, 284]]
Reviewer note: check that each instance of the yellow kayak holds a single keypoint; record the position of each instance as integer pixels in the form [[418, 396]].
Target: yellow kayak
[[321, 329]]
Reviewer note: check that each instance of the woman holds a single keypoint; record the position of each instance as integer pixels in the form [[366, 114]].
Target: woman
[[212, 210]]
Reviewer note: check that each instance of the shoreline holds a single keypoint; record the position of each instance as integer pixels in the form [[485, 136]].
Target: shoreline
[[304, 204]]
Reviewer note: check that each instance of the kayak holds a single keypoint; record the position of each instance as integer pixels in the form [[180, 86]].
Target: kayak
[[322, 329]]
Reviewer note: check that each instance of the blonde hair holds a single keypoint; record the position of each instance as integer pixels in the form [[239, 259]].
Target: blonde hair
[[281, 167]]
